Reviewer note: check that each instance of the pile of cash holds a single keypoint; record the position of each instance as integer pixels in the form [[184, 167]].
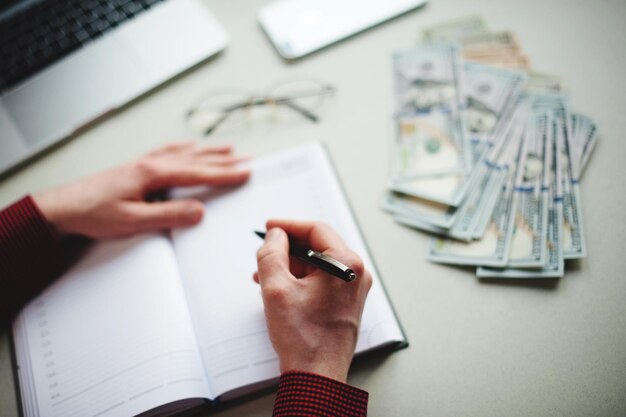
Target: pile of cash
[[487, 155]]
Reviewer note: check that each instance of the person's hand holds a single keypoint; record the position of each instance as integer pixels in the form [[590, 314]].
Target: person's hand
[[113, 203], [313, 322]]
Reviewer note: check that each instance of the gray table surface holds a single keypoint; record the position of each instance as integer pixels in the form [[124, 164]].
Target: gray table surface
[[477, 348]]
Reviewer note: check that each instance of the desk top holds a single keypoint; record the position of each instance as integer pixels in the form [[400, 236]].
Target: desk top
[[477, 348]]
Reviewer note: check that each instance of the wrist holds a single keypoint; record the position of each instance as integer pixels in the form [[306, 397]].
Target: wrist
[[329, 364], [53, 210]]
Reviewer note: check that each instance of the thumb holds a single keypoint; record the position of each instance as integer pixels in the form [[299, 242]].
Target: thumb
[[164, 215], [273, 257]]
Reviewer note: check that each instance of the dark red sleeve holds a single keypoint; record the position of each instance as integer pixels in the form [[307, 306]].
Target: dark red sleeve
[[31, 255], [302, 394]]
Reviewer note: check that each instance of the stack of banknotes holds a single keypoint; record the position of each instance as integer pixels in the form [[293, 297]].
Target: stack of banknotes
[[487, 155]]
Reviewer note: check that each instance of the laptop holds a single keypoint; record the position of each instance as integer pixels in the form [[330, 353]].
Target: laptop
[[65, 64]]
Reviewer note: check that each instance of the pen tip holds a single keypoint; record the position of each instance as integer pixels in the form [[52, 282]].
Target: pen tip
[[260, 234]]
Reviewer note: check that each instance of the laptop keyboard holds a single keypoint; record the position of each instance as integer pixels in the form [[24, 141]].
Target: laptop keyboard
[[50, 30]]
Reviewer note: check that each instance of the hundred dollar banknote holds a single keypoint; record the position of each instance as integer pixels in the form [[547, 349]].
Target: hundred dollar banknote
[[573, 236], [585, 137], [430, 137], [418, 224], [493, 248], [498, 49], [528, 245], [476, 226], [425, 211], [448, 189], [545, 83], [573, 232], [481, 42], [469, 211], [505, 171], [455, 29], [491, 95], [554, 267]]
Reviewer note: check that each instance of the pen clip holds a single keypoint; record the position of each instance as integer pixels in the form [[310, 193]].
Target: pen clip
[[326, 263]]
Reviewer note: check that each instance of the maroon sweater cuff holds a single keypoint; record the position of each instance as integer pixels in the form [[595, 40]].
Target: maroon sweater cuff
[[31, 255], [304, 394]]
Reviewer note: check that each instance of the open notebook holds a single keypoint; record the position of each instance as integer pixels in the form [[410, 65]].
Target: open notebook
[[165, 323]]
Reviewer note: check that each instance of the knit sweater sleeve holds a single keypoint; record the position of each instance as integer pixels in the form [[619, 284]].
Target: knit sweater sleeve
[[31, 255], [305, 394]]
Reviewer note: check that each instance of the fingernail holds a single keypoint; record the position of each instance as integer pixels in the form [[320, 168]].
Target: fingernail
[[272, 234], [194, 213]]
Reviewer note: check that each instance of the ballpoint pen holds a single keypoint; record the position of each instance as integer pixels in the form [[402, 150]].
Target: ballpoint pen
[[318, 260]]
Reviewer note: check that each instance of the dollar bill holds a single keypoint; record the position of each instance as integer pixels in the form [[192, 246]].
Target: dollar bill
[[470, 209], [494, 54], [517, 61], [445, 189], [488, 203], [548, 102], [545, 83], [573, 237], [575, 136], [504, 173], [486, 180], [554, 268], [585, 134], [573, 232], [493, 248], [428, 144], [477, 42], [426, 211], [528, 245], [591, 140], [491, 95], [489, 181], [430, 134], [455, 29], [514, 129], [415, 223]]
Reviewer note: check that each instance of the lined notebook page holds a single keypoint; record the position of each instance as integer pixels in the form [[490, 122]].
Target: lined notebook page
[[218, 257], [112, 337]]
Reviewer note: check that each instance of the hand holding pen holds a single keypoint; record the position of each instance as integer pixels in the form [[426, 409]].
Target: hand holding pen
[[318, 260], [314, 322]]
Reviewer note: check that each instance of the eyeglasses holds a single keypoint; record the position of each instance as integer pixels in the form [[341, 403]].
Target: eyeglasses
[[284, 100]]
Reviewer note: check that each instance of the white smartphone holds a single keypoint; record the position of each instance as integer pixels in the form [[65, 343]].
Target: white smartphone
[[299, 27]]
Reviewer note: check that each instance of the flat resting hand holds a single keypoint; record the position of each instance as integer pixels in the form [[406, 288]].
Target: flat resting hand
[[113, 203]]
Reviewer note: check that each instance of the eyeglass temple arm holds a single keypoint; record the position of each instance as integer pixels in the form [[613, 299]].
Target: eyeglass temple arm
[[216, 123], [306, 113]]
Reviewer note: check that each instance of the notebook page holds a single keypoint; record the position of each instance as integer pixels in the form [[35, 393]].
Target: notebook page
[[218, 257], [112, 337]]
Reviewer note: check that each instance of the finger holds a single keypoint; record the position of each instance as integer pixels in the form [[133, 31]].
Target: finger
[[174, 147], [273, 258], [213, 150], [157, 176], [255, 277], [318, 235], [163, 215], [220, 160], [299, 268]]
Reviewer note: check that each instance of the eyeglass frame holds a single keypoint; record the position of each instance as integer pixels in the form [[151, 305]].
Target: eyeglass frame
[[255, 100]]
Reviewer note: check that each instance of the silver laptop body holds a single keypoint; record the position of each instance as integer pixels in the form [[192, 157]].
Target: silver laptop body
[[104, 74]]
